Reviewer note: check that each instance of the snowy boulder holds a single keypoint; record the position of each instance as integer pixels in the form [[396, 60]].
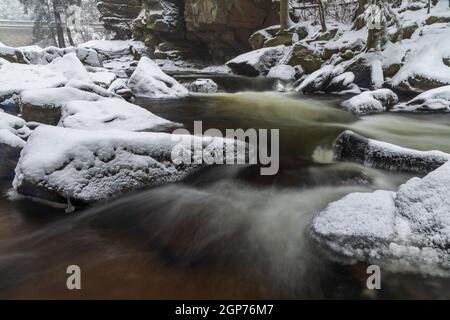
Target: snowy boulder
[[203, 86], [371, 102], [435, 100], [258, 62], [376, 154], [283, 72], [306, 56], [13, 130], [12, 55], [16, 78], [110, 114], [44, 105], [90, 87], [87, 166], [114, 49], [407, 230], [148, 80]]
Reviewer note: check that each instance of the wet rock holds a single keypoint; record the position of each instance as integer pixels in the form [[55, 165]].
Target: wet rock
[[435, 100], [376, 154], [368, 102], [283, 72], [328, 79]]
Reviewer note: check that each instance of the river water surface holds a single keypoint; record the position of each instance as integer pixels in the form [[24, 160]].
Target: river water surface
[[225, 232]]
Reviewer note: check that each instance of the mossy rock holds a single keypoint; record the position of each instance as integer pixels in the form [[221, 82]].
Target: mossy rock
[[306, 57], [328, 53], [284, 39], [347, 55], [326, 36]]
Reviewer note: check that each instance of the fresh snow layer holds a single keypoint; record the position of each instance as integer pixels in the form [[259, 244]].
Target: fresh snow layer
[[110, 114], [282, 72], [370, 102], [103, 78], [96, 165], [435, 100], [13, 130], [148, 80], [407, 230]]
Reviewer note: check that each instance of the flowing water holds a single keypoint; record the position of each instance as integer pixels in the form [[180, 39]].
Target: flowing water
[[225, 232]]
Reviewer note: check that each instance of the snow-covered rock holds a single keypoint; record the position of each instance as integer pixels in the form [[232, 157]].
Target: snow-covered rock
[[371, 102], [350, 146], [13, 130], [110, 114], [203, 86], [90, 87], [283, 72], [435, 100], [103, 78], [89, 166], [148, 80], [19, 77], [258, 62], [120, 88], [330, 79], [44, 105], [113, 49], [407, 230]]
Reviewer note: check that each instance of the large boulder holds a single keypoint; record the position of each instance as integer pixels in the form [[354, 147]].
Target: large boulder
[[149, 81], [13, 130], [258, 62], [368, 102], [87, 166]]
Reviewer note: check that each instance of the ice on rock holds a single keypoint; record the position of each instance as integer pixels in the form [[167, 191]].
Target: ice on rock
[[407, 230], [203, 86], [44, 105], [89, 166], [13, 130], [371, 102], [148, 80], [435, 100], [109, 114]]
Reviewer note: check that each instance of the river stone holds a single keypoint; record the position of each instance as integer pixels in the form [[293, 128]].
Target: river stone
[[305, 56]]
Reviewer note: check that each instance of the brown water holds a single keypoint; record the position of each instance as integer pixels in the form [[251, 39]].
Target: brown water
[[225, 232]]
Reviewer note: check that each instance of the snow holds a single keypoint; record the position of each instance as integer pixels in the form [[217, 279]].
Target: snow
[[90, 87], [370, 102], [257, 62], [282, 72], [203, 86], [54, 97], [407, 230], [110, 114], [90, 166], [148, 80], [435, 100], [13, 130], [70, 67], [109, 49], [103, 78]]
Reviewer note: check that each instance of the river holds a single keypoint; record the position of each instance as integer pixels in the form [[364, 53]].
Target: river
[[225, 232]]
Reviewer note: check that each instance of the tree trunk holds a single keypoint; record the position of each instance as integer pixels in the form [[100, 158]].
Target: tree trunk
[[285, 20], [361, 8], [322, 15], [59, 28], [429, 7]]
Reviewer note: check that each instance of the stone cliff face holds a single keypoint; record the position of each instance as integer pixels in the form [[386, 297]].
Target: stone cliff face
[[185, 28], [118, 15]]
